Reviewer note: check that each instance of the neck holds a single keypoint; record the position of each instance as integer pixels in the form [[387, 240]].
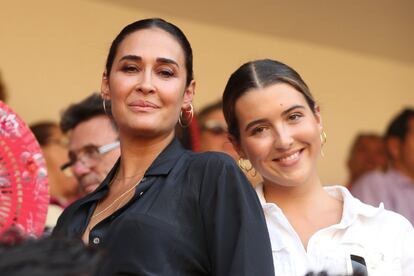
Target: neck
[[294, 197], [138, 154]]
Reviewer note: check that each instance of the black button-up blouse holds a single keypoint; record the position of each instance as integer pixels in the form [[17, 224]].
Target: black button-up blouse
[[192, 214]]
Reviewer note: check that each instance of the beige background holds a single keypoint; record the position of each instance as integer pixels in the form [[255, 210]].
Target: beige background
[[357, 58]]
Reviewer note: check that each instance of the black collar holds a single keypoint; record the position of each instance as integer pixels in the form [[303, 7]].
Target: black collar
[[164, 162], [162, 165]]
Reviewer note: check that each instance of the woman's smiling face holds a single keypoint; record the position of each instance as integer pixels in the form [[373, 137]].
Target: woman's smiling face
[[279, 134], [147, 83]]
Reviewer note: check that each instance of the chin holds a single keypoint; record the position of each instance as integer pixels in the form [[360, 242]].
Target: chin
[[138, 127], [90, 188], [287, 180]]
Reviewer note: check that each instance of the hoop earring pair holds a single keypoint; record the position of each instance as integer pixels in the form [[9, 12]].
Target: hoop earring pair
[[186, 116], [246, 166], [323, 141]]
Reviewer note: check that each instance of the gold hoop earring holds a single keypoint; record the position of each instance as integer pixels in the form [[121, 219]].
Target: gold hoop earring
[[323, 141], [186, 116], [243, 163]]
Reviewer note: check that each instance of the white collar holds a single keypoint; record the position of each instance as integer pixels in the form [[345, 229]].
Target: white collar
[[352, 207]]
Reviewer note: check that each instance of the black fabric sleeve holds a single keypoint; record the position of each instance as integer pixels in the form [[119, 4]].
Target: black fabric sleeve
[[236, 232]]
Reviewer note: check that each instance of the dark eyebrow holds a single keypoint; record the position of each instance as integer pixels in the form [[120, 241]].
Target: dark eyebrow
[[292, 108], [160, 60], [131, 57], [255, 122], [168, 61], [259, 121]]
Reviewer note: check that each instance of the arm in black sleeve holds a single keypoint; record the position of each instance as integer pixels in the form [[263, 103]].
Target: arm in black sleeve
[[237, 236]]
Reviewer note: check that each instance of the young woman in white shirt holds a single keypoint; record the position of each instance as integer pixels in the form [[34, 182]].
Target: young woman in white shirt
[[275, 123]]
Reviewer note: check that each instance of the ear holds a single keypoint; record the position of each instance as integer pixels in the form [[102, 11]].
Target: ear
[[394, 148], [105, 87], [237, 146], [188, 95], [318, 118]]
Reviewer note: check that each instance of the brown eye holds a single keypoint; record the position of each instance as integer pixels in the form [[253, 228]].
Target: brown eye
[[166, 73], [258, 130], [295, 116], [130, 69]]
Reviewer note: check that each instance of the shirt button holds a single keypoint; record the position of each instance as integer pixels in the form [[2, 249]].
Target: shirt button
[[96, 240], [141, 193]]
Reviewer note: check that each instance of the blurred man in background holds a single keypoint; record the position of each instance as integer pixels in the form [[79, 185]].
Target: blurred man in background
[[367, 154], [214, 136], [213, 130], [93, 141], [395, 187]]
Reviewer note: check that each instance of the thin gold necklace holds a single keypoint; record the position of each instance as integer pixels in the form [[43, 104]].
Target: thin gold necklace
[[116, 200]]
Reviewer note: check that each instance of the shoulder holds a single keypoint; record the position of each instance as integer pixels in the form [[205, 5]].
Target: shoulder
[[387, 232], [217, 171], [210, 160], [213, 167], [393, 221], [380, 218], [367, 214]]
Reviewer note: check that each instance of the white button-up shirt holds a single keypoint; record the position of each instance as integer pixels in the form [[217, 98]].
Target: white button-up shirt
[[383, 238]]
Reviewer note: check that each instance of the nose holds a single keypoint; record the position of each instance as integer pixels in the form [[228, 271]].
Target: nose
[[146, 84], [81, 168], [283, 139]]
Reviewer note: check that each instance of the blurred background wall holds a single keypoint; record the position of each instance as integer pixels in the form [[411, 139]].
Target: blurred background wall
[[356, 56]]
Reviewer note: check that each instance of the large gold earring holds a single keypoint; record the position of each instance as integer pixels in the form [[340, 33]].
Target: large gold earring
[[245, 165], [186, 116], [323, 142]]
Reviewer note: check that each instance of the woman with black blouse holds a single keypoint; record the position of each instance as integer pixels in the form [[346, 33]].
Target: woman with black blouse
[[163, 210]]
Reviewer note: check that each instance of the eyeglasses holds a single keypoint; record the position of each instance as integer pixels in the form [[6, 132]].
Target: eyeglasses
[[215, 127], [89, 153]]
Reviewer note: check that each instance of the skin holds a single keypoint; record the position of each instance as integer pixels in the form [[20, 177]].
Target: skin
[[369, 154], [62, 187], [221, 143], [146, 85], [147, 89], [402, 152], [95, 131], [217, 142], [280, 135]]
